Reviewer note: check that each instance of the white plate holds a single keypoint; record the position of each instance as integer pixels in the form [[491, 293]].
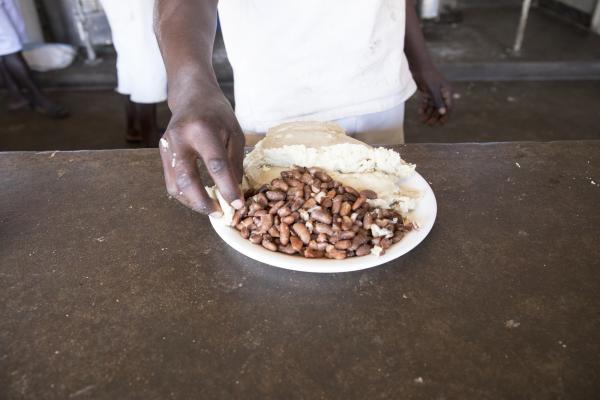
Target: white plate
[[424, 215]]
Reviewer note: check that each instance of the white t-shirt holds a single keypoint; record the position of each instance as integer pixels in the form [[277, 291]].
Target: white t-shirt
[[315, 59]]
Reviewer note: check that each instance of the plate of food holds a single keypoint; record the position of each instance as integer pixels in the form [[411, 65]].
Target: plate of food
[[320, 201]]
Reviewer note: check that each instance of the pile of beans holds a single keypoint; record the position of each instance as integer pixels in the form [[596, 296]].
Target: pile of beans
[[306, 212]]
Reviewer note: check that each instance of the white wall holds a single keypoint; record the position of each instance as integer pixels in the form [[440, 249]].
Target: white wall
[[32, 22]]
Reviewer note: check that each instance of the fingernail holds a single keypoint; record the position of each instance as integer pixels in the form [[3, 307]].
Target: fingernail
[[442, 111], [215, 214], [237, 204]]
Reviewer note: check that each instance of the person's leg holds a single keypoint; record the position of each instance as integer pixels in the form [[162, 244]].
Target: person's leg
[[16, 99], [132, 130], [18, 68], [146, 115]]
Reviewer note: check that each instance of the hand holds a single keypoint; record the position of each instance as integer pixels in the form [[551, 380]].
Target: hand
[[437, 96], [204, 128]]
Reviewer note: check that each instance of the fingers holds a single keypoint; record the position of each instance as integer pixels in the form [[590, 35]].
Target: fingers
[[447, 96], [215, 156], [436, 106], [438, 102], [183, 180], [235, 151]]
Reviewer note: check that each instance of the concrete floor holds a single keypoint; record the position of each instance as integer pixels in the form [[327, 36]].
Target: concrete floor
[[487, 34], [485, 111]]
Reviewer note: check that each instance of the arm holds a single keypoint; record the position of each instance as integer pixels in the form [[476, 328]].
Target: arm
[[437, 95], [203, 124]]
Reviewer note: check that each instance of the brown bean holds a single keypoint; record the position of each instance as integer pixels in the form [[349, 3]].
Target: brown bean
[[345, 208], [313, 253], [254, 207], [245, 232], [307, 192], [261, 199], [337, 254], [313, 245], [295, 243], [322, 215], [359, 240], [321, 238], [346, 223], [302, 232], [275, 195], [273, 231], [323, 228], [337, 203], [267, 244], [358, 203], [294, 183], [280, 184], [237, 216], [286, 249], [350, 198], [382, 223], [266, 222], [310, 203], [367, 221], [289, 219], [398, 236], [247, 221], [255, 238], [296, 203], [295, 192], [385, 243], [275, 206], [260, 213], [326, 202], [343, 244], [263, 188], [363, 250], [351, 190], [322, 245], [322, 176], [347, 235], [369, 194], [284, 233], [307, 178], [286, 174], [284, 211]]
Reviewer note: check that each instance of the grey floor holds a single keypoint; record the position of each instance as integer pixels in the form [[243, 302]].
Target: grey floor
[[485, 111]]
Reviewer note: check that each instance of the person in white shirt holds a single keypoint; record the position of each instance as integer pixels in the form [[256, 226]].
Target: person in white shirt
[[354, 62], [14, 70], [140, 69]]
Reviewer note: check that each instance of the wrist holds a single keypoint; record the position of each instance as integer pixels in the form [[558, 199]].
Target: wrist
[[190, 83]]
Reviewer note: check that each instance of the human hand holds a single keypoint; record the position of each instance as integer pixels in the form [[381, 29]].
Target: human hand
[[203, 128], [436, 93]]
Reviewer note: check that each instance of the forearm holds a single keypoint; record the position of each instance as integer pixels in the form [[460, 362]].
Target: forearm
[[415, 47], [185, 30]]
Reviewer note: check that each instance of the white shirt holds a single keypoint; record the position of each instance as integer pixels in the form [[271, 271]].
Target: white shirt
[[315, 59]]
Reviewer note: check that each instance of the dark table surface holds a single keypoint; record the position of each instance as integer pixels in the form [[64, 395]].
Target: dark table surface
[[108, 290]]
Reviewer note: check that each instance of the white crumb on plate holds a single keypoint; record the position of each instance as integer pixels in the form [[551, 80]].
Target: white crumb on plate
[[377, 250]]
